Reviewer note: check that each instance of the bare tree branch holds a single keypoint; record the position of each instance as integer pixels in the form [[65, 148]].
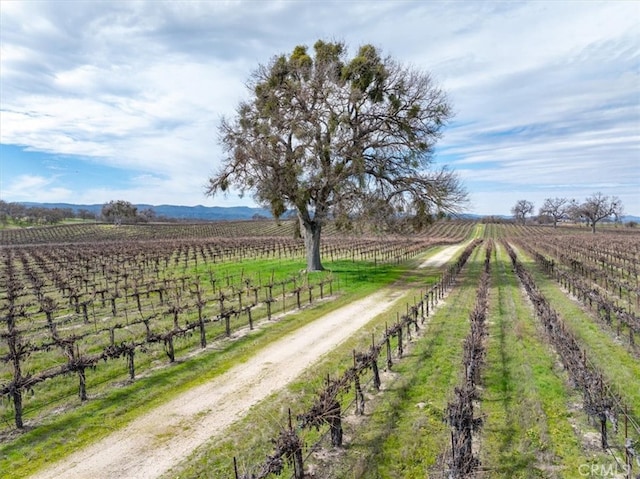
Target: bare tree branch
[[327, 135]]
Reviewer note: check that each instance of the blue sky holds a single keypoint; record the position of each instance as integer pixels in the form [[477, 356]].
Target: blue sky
[[121, 99]]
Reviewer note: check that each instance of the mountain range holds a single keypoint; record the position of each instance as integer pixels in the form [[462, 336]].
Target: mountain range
[[217, 213], [199, 212]]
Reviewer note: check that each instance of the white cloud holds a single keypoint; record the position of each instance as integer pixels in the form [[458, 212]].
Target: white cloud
[[35, 188]]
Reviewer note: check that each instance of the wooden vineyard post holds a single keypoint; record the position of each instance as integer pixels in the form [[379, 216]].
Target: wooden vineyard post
[[168, 346], [298, 464], [415, 313], [388, 343], [248, 310], [227, 323], [627, 446], [131, 351], [297, 291], [199, 305], [114, 310], [426, 303], [16, 350], [358, 389], [221, 299], [269, 300], [374, 364], [16, 394], [284, 298], [85, 314], [602, 415], [270, 297], [453, 447], [82, 387], [335, 424], [603, 431]]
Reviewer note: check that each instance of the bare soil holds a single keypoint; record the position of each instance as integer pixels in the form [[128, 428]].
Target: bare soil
[[158, 440]]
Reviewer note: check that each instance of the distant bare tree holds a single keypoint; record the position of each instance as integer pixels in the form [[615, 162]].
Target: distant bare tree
[[555, 208], [598, 207], [521, 209], [146, 215]]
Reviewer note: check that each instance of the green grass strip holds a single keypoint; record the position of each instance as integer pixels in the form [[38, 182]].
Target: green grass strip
[[60, 435], [249, 439], [404, 435], [528, 429]]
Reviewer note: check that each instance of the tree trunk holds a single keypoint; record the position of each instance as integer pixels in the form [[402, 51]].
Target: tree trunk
[[312, 245], [130, 360], [168, 347], [17, 403], [604, 442], [376, 375], [82, 387], [298, 464], [335, 425], [359, 396], [203, 335], [227, 324]]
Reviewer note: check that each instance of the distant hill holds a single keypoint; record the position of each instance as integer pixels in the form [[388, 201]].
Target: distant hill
[[199, 212], [227, 213]]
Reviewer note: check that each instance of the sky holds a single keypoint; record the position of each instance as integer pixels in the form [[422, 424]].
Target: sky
[[113, 100]]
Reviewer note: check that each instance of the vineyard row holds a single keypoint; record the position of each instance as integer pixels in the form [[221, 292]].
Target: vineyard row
[[66, 321], [92, 233], [460, 411], [611, 264], [327, 409], [600, 402], [590, 295]]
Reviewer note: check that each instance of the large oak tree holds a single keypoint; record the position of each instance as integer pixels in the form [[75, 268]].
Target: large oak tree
[[598, 207], [119, 211], [556, 208], [336, 137]]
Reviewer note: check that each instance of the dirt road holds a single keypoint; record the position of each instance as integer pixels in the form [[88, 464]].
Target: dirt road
[[158, 440]]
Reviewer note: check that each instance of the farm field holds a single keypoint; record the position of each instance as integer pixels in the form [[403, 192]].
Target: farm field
[[117, 310], [531, 407], [100, 332]]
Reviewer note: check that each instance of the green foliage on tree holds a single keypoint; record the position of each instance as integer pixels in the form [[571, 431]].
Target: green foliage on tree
[[22, 215], [337, 137], [119, 212]]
